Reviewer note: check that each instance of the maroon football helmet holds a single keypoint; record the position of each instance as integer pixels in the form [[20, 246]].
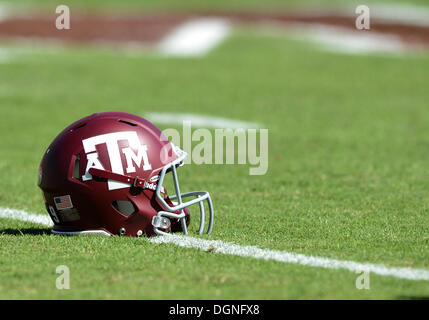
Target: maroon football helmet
[[104, 174]]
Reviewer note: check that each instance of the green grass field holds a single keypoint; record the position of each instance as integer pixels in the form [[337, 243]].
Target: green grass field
[[348, 170], [179, 5]]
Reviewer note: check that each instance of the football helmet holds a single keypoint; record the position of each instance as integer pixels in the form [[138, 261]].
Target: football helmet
[[104, 174]]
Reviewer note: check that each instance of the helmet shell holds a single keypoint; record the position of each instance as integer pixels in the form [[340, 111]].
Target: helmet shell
[[114, 141]]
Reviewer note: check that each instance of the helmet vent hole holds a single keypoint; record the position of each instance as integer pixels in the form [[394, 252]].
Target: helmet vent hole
[[79, 126], [128, 123], [76, 168], [125, 207]]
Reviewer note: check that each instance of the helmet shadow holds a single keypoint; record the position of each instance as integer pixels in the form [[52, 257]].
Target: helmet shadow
[[413, 297], [26, 231]]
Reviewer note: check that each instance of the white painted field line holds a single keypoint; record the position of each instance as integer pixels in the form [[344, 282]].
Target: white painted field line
[[4, 56], [4, 10], [338, 39], [25, 216], [401, 13], [194, 38], [199, 120], [218, 246], [27, 48]]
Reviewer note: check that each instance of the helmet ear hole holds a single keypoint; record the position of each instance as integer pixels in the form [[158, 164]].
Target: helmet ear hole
[[134, 191], [125, 207]]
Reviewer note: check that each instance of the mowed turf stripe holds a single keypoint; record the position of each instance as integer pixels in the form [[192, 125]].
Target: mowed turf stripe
[[218, 246], [199, 121]]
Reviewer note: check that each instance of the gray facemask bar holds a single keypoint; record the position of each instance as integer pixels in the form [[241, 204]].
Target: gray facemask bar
[[161, 219]]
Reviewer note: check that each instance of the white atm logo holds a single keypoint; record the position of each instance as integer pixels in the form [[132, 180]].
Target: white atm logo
[[111, 140]]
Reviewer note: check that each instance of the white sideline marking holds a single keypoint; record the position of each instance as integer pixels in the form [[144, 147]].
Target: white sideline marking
[[4, 11], [199, 120], [339, 39], [25, 216], [27, 48], [194, 38], [4, 56], [218, 246], [401, 13]]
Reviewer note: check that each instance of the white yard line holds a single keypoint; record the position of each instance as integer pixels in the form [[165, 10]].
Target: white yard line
[[28, 48], [397, 13], [4, 11], [194, 38], [400, 13], [199, 120], [337, 39], [218, 246], [25, 216], [4, 56]]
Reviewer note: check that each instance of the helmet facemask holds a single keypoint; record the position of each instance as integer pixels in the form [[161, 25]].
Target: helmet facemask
[[162, 219]]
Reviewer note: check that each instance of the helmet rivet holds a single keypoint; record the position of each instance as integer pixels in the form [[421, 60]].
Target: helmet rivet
[[139, 233], [122, 231]]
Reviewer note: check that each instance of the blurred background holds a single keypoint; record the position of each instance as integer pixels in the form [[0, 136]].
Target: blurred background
[[346, 109]]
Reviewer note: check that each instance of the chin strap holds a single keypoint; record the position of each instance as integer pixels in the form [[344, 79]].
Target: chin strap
[[135, 182]]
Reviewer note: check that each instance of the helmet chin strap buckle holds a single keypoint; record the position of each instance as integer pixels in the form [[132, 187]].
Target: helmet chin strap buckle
[[136, 179]]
